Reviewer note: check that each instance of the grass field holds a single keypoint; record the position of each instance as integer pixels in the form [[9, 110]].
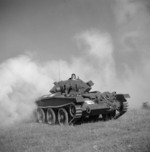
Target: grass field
[[130, 133]]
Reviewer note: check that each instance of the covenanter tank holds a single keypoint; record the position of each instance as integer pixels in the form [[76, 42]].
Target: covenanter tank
[[71, 100]]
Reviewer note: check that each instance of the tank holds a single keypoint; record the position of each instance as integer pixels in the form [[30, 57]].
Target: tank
[[71, 101]]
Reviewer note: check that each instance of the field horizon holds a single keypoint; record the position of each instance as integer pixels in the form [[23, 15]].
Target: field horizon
[[131, 133]]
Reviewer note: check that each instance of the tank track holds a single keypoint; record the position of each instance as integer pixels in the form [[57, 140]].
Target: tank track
[[77, 115], [123, 109]]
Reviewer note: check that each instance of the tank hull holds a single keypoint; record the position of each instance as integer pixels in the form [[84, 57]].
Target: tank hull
[[66, 110]]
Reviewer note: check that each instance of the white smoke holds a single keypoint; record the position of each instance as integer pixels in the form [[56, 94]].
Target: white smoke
[[98, 58], [20, 84], [133, 50]]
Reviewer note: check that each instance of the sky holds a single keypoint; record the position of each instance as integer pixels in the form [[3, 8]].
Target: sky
[[48, 27], [106, 41]]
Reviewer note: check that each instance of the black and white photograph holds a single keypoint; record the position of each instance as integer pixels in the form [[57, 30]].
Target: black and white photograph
[[74, 75]]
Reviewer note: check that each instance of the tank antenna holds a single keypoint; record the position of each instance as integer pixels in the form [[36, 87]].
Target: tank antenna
[[59, 70]]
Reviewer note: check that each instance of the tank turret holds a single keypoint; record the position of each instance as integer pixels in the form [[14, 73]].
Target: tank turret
[[72, 86], [72, 100]]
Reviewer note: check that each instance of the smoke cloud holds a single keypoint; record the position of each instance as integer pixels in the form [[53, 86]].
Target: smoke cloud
[[132, 55], [114, 64]]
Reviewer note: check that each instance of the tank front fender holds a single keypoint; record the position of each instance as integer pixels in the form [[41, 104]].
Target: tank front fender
[[122, 97]]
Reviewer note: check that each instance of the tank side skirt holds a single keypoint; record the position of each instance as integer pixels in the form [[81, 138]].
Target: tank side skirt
[[60, 106], [59, 101]]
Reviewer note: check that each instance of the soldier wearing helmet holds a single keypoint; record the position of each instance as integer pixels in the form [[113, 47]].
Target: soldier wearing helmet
[[73, 77]]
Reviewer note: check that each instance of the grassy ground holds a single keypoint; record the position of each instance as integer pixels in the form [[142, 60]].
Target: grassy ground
[[130, 133]]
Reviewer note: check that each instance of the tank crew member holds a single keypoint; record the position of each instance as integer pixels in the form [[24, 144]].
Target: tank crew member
[[73, 77]]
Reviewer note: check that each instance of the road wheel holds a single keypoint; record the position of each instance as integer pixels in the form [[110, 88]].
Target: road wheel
[[51, 117], [62, 117], [72, 110], [40, 115]]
